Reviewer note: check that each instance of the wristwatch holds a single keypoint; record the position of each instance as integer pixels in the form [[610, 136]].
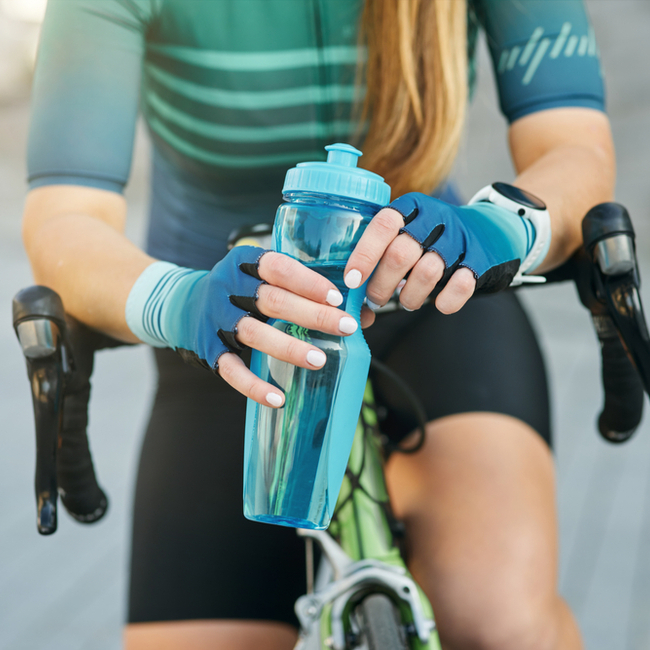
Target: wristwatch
[[527, 206]]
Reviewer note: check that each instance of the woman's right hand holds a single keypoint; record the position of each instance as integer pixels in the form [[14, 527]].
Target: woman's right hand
[[208, 316]]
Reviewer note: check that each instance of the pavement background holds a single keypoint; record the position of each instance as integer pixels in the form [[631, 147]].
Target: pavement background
[[68, 591]]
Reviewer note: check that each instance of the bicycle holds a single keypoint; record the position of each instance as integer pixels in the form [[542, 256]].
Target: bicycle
[[363, 596]]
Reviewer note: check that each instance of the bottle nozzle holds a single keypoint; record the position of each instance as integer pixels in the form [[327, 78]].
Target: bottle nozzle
[[342, 154]]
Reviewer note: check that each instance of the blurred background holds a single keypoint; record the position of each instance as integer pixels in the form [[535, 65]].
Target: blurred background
[[67, 591]]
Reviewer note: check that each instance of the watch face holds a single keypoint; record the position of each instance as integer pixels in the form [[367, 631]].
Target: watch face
[[519, 196]]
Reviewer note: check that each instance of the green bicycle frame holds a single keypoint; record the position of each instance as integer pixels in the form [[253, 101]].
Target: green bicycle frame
[[362, 519]]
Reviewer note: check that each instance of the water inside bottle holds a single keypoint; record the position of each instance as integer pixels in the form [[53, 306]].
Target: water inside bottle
[[290, 476]]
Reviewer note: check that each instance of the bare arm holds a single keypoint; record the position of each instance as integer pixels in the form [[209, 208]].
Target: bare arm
[[566, 157], [74, 238]]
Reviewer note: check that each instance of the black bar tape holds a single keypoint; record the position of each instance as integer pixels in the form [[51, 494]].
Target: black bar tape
[[80, 492], [623, 388]]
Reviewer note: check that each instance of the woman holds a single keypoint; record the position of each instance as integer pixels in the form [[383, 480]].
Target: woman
[[234, 93]]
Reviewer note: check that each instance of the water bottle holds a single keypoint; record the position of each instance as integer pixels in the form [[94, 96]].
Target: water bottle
[[295, 456]]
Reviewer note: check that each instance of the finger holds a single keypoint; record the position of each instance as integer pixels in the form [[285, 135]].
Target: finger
[[234, 372], [279, 345], [381, 231], [283, 271], [422, 281], [458, 291], [367, 317], [400, 257], [280, 303]]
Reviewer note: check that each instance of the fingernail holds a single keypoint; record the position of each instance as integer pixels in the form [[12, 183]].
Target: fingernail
[[316, 358], [353, 279], [274, 399], [373, 305], [407, 309], [400, 286], [348, 325], [334, 298]]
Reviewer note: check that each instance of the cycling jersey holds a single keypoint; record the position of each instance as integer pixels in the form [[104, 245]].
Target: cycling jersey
[[235, 92]]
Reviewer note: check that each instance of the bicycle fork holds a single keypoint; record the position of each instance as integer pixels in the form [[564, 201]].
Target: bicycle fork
[[351, 581]]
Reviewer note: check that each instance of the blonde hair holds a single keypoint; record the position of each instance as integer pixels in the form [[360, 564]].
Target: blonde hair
[[416, 97]]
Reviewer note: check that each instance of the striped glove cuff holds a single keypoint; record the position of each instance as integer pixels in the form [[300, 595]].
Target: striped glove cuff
[[145, 306]]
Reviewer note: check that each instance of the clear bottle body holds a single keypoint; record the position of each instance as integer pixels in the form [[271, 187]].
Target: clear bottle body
[[295, 456]]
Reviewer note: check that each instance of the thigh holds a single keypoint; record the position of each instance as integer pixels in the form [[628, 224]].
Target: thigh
[[194, 555], [479, 509]]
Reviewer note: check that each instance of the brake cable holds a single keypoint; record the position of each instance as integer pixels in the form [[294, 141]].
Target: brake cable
[[414, 403]]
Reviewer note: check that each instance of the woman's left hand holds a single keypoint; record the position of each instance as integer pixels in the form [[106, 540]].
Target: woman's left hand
[[481, 245]]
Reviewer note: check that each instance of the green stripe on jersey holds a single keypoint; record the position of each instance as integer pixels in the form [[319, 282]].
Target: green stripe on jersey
[[255, 100], [247, 133], [225, 160], [263, 61]]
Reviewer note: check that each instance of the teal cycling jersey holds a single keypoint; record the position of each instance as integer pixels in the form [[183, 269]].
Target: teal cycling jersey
[[234, 92]]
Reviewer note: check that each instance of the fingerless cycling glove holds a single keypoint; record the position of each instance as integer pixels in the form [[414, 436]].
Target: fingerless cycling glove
[[487, 239], [196, 312]]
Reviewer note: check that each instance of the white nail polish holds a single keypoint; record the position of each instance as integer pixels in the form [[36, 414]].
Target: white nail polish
[[374, 306], [274, 399], [334, 298], [407, 309], [353, 279], [400, 286], [348, 325], [316, 358]]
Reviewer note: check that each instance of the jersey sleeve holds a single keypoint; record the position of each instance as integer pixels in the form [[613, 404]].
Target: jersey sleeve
[[86, 92], [544, 55]]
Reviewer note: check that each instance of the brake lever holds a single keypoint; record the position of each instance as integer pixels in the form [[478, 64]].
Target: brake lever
[[39, 320], [60, 382], [607, 277], [609, 241]]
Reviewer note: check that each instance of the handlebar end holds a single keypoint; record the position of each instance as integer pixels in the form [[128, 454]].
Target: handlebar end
[[612, 436], [88, 506]]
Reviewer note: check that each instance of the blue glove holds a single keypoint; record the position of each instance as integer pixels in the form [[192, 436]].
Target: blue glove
[[487, 239], [196, 312]]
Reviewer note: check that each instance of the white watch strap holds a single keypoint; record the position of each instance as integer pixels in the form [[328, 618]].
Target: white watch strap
[[541, 221]]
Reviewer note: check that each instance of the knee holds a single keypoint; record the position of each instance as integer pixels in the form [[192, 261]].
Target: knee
[[514, 627]]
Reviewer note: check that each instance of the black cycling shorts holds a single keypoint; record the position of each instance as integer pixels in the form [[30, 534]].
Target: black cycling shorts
[[195, 556]]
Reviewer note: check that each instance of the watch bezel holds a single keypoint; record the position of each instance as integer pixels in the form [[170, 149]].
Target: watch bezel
[[519, 196]]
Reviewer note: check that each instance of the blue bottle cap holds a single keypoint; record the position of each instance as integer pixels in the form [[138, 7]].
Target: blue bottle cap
[[339, 176]]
